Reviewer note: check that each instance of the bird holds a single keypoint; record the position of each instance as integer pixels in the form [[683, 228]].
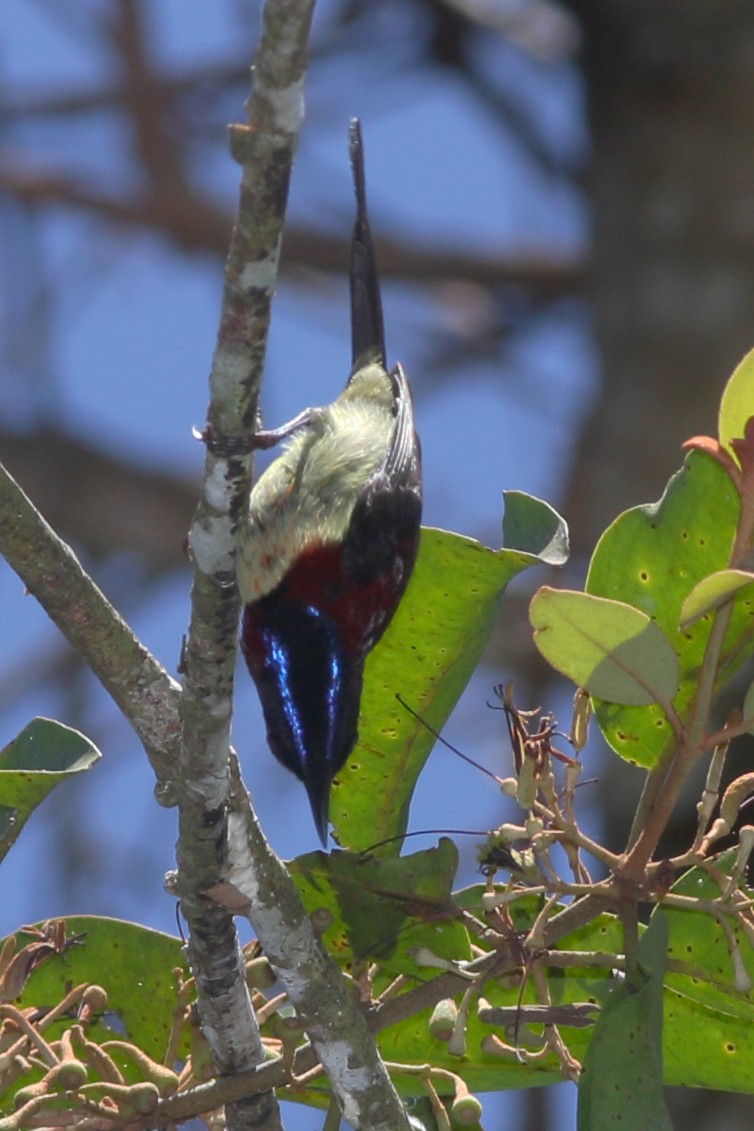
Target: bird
[[329, 542]]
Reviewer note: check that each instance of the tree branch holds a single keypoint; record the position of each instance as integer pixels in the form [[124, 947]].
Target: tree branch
[[142, 689], [321, 996], [264, 149], [314, 984], [196, 224], [100, 501]]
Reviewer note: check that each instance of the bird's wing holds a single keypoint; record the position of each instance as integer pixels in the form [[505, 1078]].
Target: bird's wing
[[383, 532], [402, 464]]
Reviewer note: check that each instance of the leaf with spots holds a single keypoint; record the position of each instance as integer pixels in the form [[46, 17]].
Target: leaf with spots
[[696, 938], [703, 1000], [428, 653], [652, 557], [721, 1053], [621, 1085], [483, 1069]]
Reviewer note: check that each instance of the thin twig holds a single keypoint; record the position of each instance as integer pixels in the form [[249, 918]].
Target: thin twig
[[264, 148]]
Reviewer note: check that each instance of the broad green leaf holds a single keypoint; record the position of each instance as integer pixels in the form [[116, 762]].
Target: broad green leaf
[[651, 557], [714, 591], [409, 1041], [133, 965], [697, 940], [621, 1085], [704, 1002], [737, 403], [380, 909], [427, 656], [705, 1048], [609, 648], [701, 1001], [44, 754]]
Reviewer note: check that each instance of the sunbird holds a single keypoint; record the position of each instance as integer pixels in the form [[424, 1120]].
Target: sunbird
[[330, 539]]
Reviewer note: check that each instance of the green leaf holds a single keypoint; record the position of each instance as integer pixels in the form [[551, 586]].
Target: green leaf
[[409, 1040], [44, 754], [427, 655], [706, 1048], [737, 403], [621, 1085], [534, 527], [133, 965], [406, 903], [382, 908], [703, 1001], [651, 557], [714, 591], [607, 647]]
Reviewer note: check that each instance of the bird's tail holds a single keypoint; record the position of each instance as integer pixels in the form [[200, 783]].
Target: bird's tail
[[367, 329]]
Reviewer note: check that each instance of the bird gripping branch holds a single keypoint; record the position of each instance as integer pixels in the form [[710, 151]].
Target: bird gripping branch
[[330, 540]]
